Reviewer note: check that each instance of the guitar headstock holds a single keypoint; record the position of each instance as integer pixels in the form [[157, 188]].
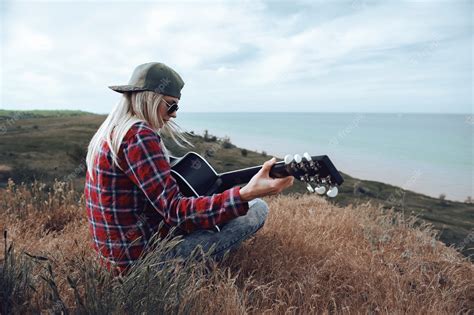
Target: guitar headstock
[[317, 172]]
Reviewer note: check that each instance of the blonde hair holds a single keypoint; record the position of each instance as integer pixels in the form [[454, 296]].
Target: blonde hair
[[132, 108]]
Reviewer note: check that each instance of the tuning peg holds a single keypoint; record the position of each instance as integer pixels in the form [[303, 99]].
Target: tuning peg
[[310, 189], [307, 156], [297, 158], [332, 192], [320, 190], [288, 159]]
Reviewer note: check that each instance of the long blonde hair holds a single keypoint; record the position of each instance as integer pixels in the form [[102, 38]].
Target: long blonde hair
[[132, 108]]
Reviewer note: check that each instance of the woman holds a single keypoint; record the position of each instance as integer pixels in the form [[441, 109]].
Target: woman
[[129, 189]]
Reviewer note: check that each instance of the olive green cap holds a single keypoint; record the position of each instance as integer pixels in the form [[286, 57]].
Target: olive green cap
[[153, 76]]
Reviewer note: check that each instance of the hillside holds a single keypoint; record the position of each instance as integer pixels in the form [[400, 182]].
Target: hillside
[[16, 115], [310, 257], [54, 147]]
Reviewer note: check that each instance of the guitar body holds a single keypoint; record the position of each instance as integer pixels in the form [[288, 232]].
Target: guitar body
[[194, 175]]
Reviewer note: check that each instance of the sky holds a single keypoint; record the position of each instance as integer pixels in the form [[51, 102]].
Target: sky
[[249, 56]]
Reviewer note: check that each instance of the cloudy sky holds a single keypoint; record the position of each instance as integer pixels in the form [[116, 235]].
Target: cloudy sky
[[334, 56]]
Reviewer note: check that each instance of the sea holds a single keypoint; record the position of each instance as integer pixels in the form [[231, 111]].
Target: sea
[[430, 154]]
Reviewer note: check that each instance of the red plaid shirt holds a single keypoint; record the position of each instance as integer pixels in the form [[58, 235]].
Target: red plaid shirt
[[125, 205]]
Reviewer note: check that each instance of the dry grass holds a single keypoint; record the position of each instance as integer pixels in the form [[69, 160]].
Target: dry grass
[[310, 257]]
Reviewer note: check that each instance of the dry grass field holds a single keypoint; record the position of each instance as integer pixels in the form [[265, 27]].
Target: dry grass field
[[310, 257], [45, 145]]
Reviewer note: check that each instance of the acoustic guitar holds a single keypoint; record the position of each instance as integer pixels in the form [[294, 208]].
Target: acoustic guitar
[[196, 177]]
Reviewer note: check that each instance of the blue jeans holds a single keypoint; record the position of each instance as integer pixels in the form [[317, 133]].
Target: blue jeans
[[230, 236]]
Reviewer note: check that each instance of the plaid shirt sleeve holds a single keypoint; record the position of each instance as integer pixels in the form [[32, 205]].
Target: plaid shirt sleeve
[[144, 162]]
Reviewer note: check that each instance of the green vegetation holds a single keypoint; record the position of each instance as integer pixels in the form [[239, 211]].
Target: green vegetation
[[56, 148], [6, 114]]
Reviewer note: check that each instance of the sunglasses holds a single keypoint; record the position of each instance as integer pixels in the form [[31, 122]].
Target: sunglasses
[[171, 107]]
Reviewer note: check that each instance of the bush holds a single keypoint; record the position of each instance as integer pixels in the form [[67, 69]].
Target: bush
[[244, 152], [209, 138], [264, 153], [442, 199], [226, 144]]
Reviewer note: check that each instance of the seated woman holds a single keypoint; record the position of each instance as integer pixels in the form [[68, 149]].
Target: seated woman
[[129, 188]]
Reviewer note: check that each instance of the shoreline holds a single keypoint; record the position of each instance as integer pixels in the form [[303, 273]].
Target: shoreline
[[380, 147], [430, 179], [410, 181]]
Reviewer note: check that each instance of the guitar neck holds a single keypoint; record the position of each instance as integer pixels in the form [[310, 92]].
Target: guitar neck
[[196, 176], [242, 176]]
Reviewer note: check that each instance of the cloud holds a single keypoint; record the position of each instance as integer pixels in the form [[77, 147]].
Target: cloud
[[259, 55], [25, 39]]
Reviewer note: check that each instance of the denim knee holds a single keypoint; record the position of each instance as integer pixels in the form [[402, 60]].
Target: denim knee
[[231, 235], [259, 207]]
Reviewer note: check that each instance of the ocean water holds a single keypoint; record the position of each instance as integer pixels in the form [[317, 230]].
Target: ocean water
[[427, 153]]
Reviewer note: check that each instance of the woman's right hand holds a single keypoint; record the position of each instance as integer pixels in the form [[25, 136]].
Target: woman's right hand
[[261, 184]]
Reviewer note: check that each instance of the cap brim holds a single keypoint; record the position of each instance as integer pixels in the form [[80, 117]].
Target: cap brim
[[126, 88]]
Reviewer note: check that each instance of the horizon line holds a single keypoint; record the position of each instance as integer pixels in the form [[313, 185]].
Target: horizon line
[[258, 112]]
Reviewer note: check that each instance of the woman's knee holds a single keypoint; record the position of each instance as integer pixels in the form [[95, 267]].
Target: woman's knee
[[260, 208]]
